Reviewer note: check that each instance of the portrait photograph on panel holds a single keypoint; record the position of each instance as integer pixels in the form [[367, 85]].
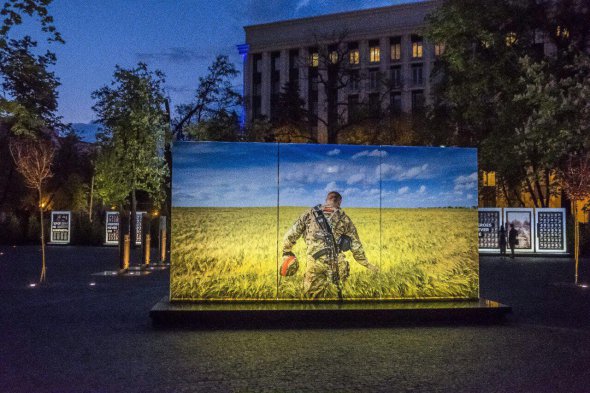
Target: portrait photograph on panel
[[429, 223], [224, 221], [338, 184]]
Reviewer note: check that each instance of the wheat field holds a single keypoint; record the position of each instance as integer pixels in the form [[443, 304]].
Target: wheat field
[[233, 253]]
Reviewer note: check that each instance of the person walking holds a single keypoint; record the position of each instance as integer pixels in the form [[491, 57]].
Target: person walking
[[512, 239], [328, 232]]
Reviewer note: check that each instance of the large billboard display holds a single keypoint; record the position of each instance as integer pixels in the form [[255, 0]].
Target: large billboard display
[[267, 221]]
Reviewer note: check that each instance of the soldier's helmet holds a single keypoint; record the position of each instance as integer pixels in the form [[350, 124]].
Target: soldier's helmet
[[290, 265]]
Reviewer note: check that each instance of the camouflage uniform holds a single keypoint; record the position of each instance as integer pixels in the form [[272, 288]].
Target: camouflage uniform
[[317, 281]]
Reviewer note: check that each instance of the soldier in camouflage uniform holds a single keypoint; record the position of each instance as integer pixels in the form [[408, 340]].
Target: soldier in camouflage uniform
[[318, 279]]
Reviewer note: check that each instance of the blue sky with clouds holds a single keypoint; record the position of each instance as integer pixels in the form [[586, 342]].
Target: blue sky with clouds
[[180, 37], [239, 174]]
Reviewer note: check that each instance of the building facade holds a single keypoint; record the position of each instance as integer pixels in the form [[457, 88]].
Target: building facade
[[376, 59]]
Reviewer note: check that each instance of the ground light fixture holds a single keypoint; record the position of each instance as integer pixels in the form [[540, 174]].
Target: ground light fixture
[[32, 285]]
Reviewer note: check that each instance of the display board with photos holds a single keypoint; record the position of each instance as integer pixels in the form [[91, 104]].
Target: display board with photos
[[551, 230], [60, 227], [490, 221], [112, 228], [402, 222], [523, 221]]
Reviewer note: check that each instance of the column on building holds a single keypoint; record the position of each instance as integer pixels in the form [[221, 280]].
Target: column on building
[[385, 53], [406, 73], [247, 84], [303, 76], [284, 67], [364, 71], [266, 84]]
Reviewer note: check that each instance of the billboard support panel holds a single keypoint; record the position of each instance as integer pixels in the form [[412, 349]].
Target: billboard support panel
[[61, 222], [551, 231], [523, 220], [490, 221], [402, 220]]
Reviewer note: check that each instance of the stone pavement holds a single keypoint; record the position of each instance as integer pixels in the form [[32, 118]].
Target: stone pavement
[[71, 336]]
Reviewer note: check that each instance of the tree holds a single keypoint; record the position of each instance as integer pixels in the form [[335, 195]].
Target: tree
[[12, 14], [215, 100], [493, 86], [33, 161], [576, 184], [132, 112]]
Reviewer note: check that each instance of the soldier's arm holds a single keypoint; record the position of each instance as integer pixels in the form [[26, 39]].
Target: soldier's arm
[[356, 247], [294, 233]]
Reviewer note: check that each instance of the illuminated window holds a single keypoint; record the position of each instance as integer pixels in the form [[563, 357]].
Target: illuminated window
[[417, 49], [562, 32], [314, 59], [334, 57], [511, 39], [489, 179], [354, 56], [439, 49], [374, 52], [396, 49]]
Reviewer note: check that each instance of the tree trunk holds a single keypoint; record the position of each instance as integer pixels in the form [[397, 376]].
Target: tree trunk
[[43, 269], [531, 191], [133, 223], [91, 195]]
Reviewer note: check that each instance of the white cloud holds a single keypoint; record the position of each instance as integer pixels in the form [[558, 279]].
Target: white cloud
[[403, 190], [367, 153], [396, 172], [422, 190], [332, 169], [334, 152], [466, 183], [302, 4], [332, 186], [356, 178]]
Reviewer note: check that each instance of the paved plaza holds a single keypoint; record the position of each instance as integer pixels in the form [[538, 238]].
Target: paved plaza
[[85, 333]]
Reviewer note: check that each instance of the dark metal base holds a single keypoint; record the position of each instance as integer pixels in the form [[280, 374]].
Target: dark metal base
[[295, 314]]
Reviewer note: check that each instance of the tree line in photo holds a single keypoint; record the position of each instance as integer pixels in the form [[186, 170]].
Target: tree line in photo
[[495, 87]]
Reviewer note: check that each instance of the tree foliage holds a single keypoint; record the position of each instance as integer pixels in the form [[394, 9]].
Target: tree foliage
[[13, 12], [497, 89], [131, 111], [212, 114]]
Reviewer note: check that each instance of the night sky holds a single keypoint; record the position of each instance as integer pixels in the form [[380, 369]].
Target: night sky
[[217, 174], [179, 37]]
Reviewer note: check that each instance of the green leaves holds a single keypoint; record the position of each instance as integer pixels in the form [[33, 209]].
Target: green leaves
[[132, 113]]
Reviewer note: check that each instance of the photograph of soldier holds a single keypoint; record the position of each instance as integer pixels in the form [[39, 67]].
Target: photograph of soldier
[[328, 232]]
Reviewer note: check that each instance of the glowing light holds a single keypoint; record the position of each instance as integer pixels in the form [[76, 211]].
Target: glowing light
[[92, 284], [584, 285], [32, 285], [1, 253]]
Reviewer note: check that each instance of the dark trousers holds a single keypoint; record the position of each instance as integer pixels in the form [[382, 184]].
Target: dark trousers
[[512, 246]]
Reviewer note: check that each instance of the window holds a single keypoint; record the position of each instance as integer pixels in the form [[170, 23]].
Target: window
[[276, 61], [439, 49], [293, 58], [511, 39], [314, 59], [417, 100], [374, 104], [353, 107], [417, 47], [374, 52], [395, 103], [373, 79], [257, 60], [354, 55], [354, 80], [396, 49], [417, 77], [488, 179], [334, 57], [562, 32], [396, 77]]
